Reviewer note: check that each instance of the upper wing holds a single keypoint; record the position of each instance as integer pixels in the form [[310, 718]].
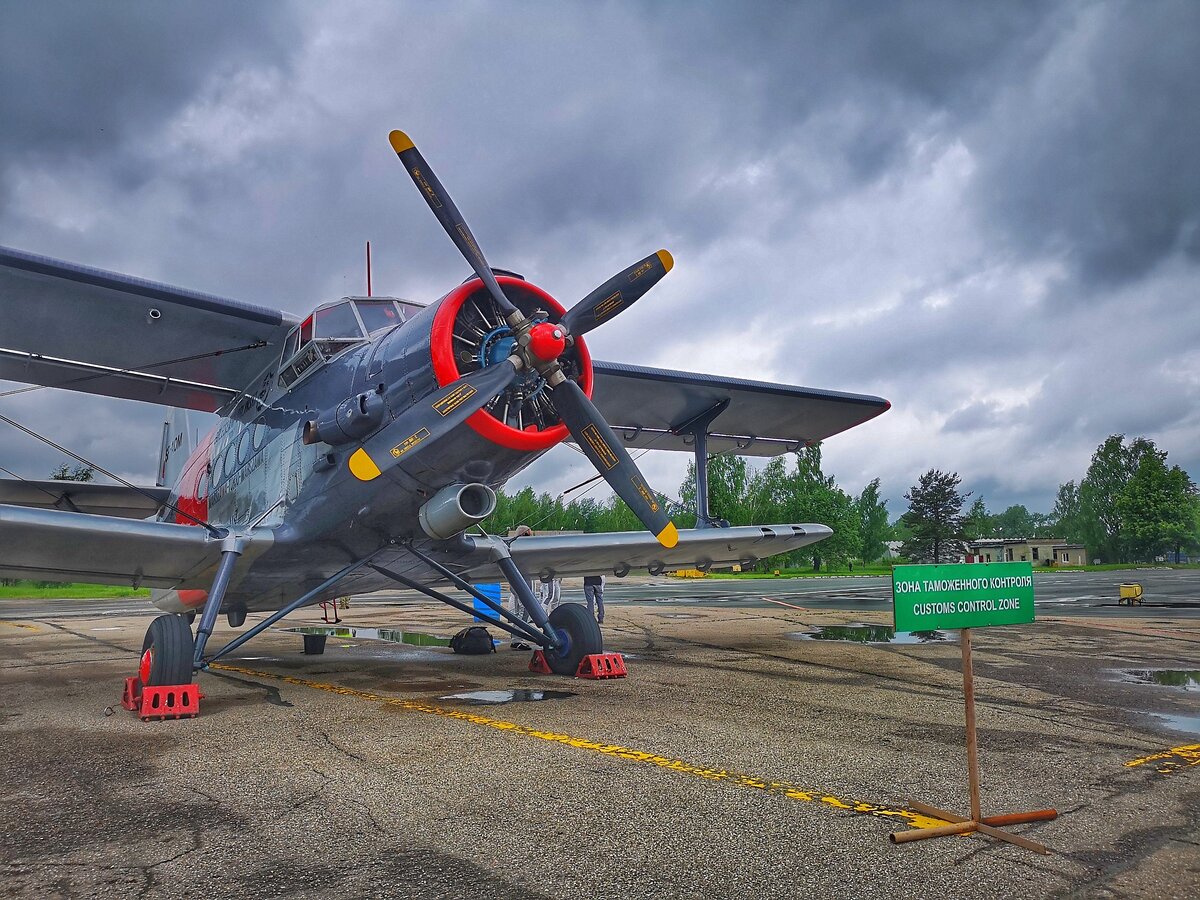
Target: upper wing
[[86, 330], [650, 407], [52, 545], [565, 555], [85, 497]]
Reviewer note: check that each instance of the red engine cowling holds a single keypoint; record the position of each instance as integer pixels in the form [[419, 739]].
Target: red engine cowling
[[469, 332]]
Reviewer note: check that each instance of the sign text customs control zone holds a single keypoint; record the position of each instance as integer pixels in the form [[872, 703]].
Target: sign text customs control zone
[[970, 595]]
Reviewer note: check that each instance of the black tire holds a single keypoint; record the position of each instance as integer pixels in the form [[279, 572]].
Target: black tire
[[580, 637], [314, 644], [169, 641]]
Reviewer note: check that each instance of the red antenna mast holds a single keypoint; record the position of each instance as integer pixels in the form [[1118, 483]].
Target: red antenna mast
[[368, 268]]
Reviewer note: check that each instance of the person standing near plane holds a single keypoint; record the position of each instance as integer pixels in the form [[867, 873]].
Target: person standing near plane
[[551, 594], [593, 593]]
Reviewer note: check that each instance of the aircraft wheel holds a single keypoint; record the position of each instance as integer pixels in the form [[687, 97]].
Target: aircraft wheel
[[167, 652], [314, 644], [581, 637]]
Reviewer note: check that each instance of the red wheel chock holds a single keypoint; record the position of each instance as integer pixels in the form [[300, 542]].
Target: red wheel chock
[[602, 665], [597, 665], [170, 701]]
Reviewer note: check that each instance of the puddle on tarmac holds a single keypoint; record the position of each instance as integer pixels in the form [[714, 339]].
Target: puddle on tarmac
[[1187, 724], [1180, 678], [678, 616], [872, 634], [1186, 679], [493, 698], [414, 638]]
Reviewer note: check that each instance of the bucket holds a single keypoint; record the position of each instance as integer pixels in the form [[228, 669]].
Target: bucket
[[492, 592]]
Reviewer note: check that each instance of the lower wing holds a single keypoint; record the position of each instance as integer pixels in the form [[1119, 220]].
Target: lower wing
[[620, 553]]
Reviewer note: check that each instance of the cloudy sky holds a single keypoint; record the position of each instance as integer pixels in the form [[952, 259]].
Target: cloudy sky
[[987, 213]]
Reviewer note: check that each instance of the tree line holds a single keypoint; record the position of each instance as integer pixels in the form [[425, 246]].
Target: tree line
[[1129, 505]]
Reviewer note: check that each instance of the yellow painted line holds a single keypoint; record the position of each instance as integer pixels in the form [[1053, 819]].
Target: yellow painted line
[[1170, 760], [19, 625], [679, 766]]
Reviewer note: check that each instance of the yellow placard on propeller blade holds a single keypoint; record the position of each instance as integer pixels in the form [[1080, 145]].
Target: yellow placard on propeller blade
[[400, 141], [664, 257], [669, 536], [362, 466]]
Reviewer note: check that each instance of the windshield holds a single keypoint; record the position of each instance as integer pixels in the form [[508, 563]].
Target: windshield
[[377, 314], [338, 322]]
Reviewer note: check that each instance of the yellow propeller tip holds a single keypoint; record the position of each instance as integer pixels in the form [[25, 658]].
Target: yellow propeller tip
[[400, 141], [669, 536], [362, 466], [666, 259]]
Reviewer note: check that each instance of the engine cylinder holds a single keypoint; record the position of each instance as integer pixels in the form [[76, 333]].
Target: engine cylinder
[[455, 508]]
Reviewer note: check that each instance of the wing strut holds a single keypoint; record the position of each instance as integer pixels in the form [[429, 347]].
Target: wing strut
[[697, 426]]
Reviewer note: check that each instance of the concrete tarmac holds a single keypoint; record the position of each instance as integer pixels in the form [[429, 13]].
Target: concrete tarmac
[[735, 759]]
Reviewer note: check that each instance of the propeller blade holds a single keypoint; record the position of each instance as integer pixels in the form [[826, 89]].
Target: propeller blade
[[434, 417], [612, 460], [447, 213], [618, 293]]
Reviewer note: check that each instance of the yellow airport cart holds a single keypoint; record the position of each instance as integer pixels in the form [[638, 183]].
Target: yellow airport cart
[[1131, 594]]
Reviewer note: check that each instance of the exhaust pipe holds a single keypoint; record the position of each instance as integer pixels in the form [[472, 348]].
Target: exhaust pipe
[[455, 508]]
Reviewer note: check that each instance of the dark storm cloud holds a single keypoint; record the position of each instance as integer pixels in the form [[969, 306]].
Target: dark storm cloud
[[960, 207], [1093, 154], [79, 77]]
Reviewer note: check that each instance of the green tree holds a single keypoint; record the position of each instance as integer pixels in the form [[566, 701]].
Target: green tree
[[808, 495], [1015, 522], [78, 473], [935, 518], [1157, 508], [1066, 519], [1111, 468], [978, 522], [873, 528], [728, 485]]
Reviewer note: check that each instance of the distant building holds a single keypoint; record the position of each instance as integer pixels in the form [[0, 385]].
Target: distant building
[[1039, 551]]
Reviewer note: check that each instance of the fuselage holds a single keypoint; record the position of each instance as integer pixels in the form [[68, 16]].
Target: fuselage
[[255, 471]]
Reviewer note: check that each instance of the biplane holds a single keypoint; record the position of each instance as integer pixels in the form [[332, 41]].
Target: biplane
[[359, 447]]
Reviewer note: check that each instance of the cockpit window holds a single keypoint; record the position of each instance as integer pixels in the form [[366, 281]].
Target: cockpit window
[[337, 322], [323, 335], [377, 314]]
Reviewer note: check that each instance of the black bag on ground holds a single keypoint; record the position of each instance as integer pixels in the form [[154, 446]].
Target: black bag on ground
[[475, 639]]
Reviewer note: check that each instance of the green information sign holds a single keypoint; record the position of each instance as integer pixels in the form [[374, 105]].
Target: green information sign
[[970, 595]]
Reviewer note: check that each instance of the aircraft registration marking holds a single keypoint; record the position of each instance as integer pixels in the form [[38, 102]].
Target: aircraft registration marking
[[786, 789], [409, 442], [607, 306], [454, 399], [595, 440]]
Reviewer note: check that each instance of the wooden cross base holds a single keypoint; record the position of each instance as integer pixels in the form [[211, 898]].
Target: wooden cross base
[[986, 825], [983, 824]]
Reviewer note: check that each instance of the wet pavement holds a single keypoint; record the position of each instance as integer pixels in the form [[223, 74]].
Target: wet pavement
[[734, 759]]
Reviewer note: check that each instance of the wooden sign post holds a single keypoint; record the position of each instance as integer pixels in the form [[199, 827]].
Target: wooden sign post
[[930, 598]]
